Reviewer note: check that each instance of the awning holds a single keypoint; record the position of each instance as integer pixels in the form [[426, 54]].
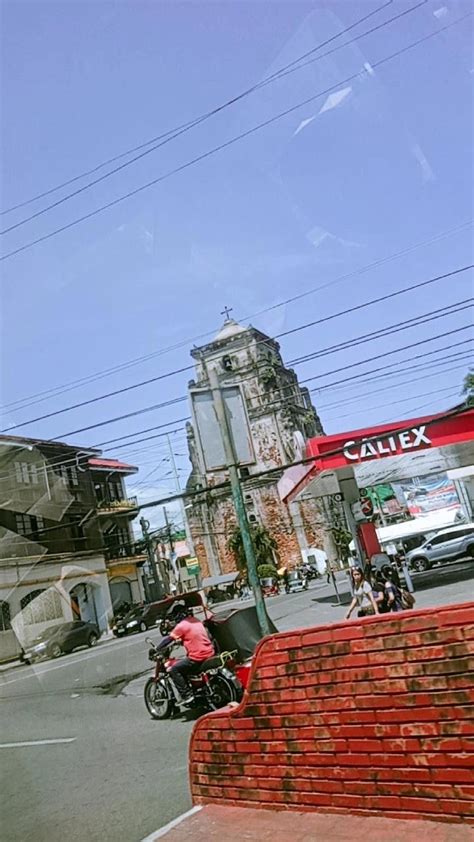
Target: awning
[[225, 579]]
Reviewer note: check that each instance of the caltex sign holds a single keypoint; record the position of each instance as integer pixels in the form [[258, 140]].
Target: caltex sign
[[389, 446]]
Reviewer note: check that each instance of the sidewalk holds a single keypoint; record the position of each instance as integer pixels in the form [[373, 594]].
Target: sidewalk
[[237, 824]]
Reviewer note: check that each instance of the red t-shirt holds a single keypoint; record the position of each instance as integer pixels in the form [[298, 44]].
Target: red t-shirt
[[195, 639]]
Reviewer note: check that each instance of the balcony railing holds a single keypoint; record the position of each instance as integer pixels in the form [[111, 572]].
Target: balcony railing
[[129, 504], [122, 551]]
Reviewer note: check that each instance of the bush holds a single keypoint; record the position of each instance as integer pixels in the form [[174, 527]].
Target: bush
[[267, 571]]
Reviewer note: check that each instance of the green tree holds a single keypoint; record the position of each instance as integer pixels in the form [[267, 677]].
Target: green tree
[[267, 571], [468, 388], [264, 546]]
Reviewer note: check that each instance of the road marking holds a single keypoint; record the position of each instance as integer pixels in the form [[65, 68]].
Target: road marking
[[162, 831], [38, 743]]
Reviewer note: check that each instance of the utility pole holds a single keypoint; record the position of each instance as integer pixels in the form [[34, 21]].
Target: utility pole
[[238, 497], [184, 516], [169, 535], [156, 587]]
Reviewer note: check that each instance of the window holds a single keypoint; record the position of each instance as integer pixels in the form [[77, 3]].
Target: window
[[29, 526], [77, 533], [5, 618], [69, 474], [115, 490], [445, 536], [40, 606], [26, 474]]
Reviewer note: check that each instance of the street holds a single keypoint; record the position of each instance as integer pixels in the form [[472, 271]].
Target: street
[[112, 772]]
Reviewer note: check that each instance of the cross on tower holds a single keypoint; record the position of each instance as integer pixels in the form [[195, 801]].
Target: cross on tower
[[226, 312]]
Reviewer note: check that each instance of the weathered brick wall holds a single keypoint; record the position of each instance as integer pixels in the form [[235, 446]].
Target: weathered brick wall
[[271, 512], [371, 716]]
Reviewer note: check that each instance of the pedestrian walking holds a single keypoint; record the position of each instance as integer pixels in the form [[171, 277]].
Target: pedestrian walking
[[393, 593], [363, 598]]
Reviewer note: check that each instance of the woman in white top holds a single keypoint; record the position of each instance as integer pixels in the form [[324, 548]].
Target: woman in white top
[[363, 596]]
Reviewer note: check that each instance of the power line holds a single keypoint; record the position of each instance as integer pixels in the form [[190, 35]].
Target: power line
[[58, 390], [381, 333], [379, 356], [391, 329], [172, 134], [225, 145], [436, 419], [308, 379], [362, 375], [181, 370], [391, 403], [147, 430], [356, 398], [397, 372], [104, 397]]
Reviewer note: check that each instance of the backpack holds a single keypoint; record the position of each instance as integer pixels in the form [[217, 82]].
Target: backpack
[[408, 600]]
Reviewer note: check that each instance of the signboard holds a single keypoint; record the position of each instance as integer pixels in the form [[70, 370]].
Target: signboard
[[430, 494], [397, 443], [192, 566], [208, 432]]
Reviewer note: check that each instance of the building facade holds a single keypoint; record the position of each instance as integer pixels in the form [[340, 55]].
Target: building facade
[[124, 556], [280, 417], [54, 527]]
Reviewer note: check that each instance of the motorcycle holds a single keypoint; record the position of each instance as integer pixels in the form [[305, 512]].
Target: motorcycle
[[213, 688]]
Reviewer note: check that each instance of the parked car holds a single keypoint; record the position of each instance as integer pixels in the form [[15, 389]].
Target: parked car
[[140, 618], [295, 581], [447, 545], [56, 640]]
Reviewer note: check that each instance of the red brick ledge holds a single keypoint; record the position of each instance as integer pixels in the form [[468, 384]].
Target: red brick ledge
[[439, 635]]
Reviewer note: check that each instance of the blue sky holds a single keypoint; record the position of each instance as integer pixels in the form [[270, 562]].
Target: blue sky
[[382, 163]]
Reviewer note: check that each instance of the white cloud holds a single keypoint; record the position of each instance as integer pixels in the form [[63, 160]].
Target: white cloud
[[335, 99], [368, 67], [441, 12]]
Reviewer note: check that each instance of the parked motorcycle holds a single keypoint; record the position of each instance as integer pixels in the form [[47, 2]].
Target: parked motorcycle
[[213, 688]]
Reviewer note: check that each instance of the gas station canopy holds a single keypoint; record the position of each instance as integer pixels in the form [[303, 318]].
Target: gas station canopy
[[386, 453]]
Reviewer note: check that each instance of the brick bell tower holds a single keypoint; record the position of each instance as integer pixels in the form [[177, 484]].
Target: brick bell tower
[[277, 409]]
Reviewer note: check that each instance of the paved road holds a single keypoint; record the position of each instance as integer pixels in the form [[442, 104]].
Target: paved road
[[122, 775]]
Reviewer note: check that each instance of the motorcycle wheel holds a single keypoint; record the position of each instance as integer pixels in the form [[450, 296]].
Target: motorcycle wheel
[[157, 699], [220, 692]]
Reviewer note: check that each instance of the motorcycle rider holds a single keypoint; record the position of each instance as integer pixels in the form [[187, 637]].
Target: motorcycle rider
[[187, 629]]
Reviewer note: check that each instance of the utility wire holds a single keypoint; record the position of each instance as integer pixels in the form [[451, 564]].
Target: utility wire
[[225, 145], [379, 356], [441, 312], [181, 370], [316, 377], [58, 390], [369, 408], [447, 358], [356, 398], [435, 419], [381, 333], [406, 368], [172, 134]]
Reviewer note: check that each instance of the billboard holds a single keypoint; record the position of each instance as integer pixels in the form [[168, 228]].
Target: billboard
[[429, 494], [208, 432]]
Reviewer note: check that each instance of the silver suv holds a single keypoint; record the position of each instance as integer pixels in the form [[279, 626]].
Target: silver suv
[[448, 545]]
